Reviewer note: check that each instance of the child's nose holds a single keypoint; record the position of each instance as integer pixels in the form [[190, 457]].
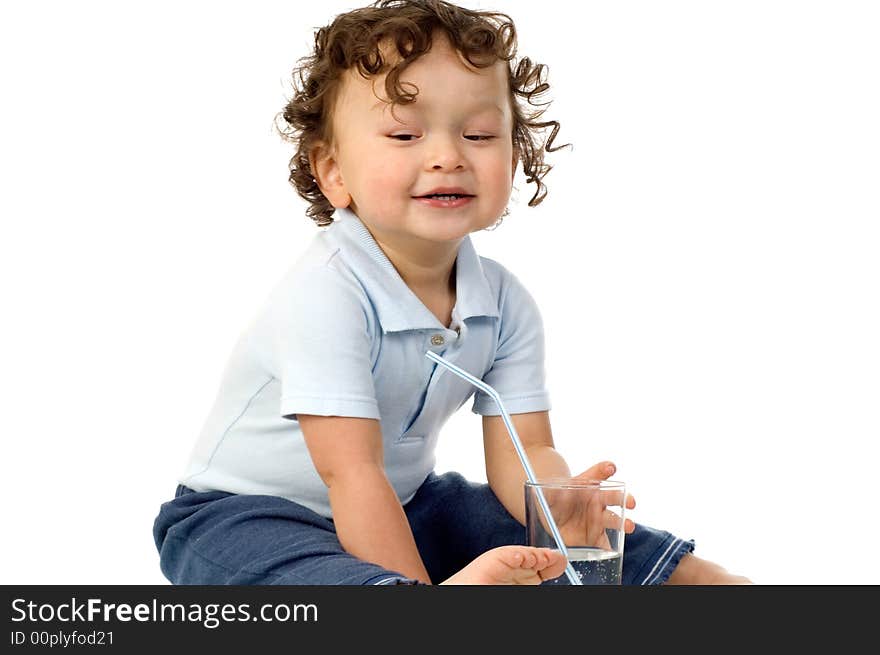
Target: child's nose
[[444, 154]]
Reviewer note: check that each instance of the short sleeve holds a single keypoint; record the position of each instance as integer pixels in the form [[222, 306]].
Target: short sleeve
[[322, 346], [517, 372]]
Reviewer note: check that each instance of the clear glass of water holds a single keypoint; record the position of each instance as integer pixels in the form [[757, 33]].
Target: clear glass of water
[[590, 518]]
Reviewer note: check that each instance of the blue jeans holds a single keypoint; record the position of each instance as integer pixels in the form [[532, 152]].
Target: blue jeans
[[214, 537]]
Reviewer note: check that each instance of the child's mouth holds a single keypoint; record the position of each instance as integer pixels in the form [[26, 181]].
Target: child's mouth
[[445, 200]]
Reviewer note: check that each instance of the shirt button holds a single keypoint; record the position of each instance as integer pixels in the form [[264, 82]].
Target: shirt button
[[438, 340]]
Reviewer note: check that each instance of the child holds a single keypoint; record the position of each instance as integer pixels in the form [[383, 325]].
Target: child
[[315, 464]]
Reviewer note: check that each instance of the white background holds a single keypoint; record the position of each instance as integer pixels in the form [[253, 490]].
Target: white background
[[706, 262]]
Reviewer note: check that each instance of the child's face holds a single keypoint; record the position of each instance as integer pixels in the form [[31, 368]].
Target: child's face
[[457, 135]]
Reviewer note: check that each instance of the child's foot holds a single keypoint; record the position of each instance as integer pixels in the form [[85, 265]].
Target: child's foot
[[511, 565], [693, 570]]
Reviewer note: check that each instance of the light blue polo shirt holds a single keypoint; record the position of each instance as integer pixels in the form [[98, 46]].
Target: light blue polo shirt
[[342, 335]]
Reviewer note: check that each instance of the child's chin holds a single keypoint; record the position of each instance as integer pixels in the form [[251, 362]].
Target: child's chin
[[450, 230]]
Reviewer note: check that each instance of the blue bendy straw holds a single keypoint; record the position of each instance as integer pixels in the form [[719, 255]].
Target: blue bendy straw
[[530, 473]]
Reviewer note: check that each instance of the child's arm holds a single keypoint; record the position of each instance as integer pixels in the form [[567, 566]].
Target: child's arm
[[504, 469], [369, 519]]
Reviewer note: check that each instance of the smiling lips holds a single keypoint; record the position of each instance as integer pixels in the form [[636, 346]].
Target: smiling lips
[[445, 197]]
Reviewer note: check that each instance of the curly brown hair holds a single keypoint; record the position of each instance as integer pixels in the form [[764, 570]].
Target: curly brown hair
[[356, 39]]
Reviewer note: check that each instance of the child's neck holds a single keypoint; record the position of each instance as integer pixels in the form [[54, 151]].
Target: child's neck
[[435, 280], [430, 276], [429, 271]]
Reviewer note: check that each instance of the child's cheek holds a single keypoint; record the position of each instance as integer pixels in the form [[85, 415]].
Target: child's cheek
[[386, 180]]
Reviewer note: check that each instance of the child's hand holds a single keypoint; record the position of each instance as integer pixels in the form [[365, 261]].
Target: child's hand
[[584, 521], [603, 471]]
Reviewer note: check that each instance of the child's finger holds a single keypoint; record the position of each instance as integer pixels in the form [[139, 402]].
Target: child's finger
[[600, 471], [617, 497], [612, 521]]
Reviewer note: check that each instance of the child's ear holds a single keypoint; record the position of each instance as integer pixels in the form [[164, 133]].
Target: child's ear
[[325, 170]]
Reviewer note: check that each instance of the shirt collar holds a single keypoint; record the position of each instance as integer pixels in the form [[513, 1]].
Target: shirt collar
[[397, 306]]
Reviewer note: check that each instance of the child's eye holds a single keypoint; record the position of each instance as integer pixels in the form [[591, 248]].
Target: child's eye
[[470, 137]]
